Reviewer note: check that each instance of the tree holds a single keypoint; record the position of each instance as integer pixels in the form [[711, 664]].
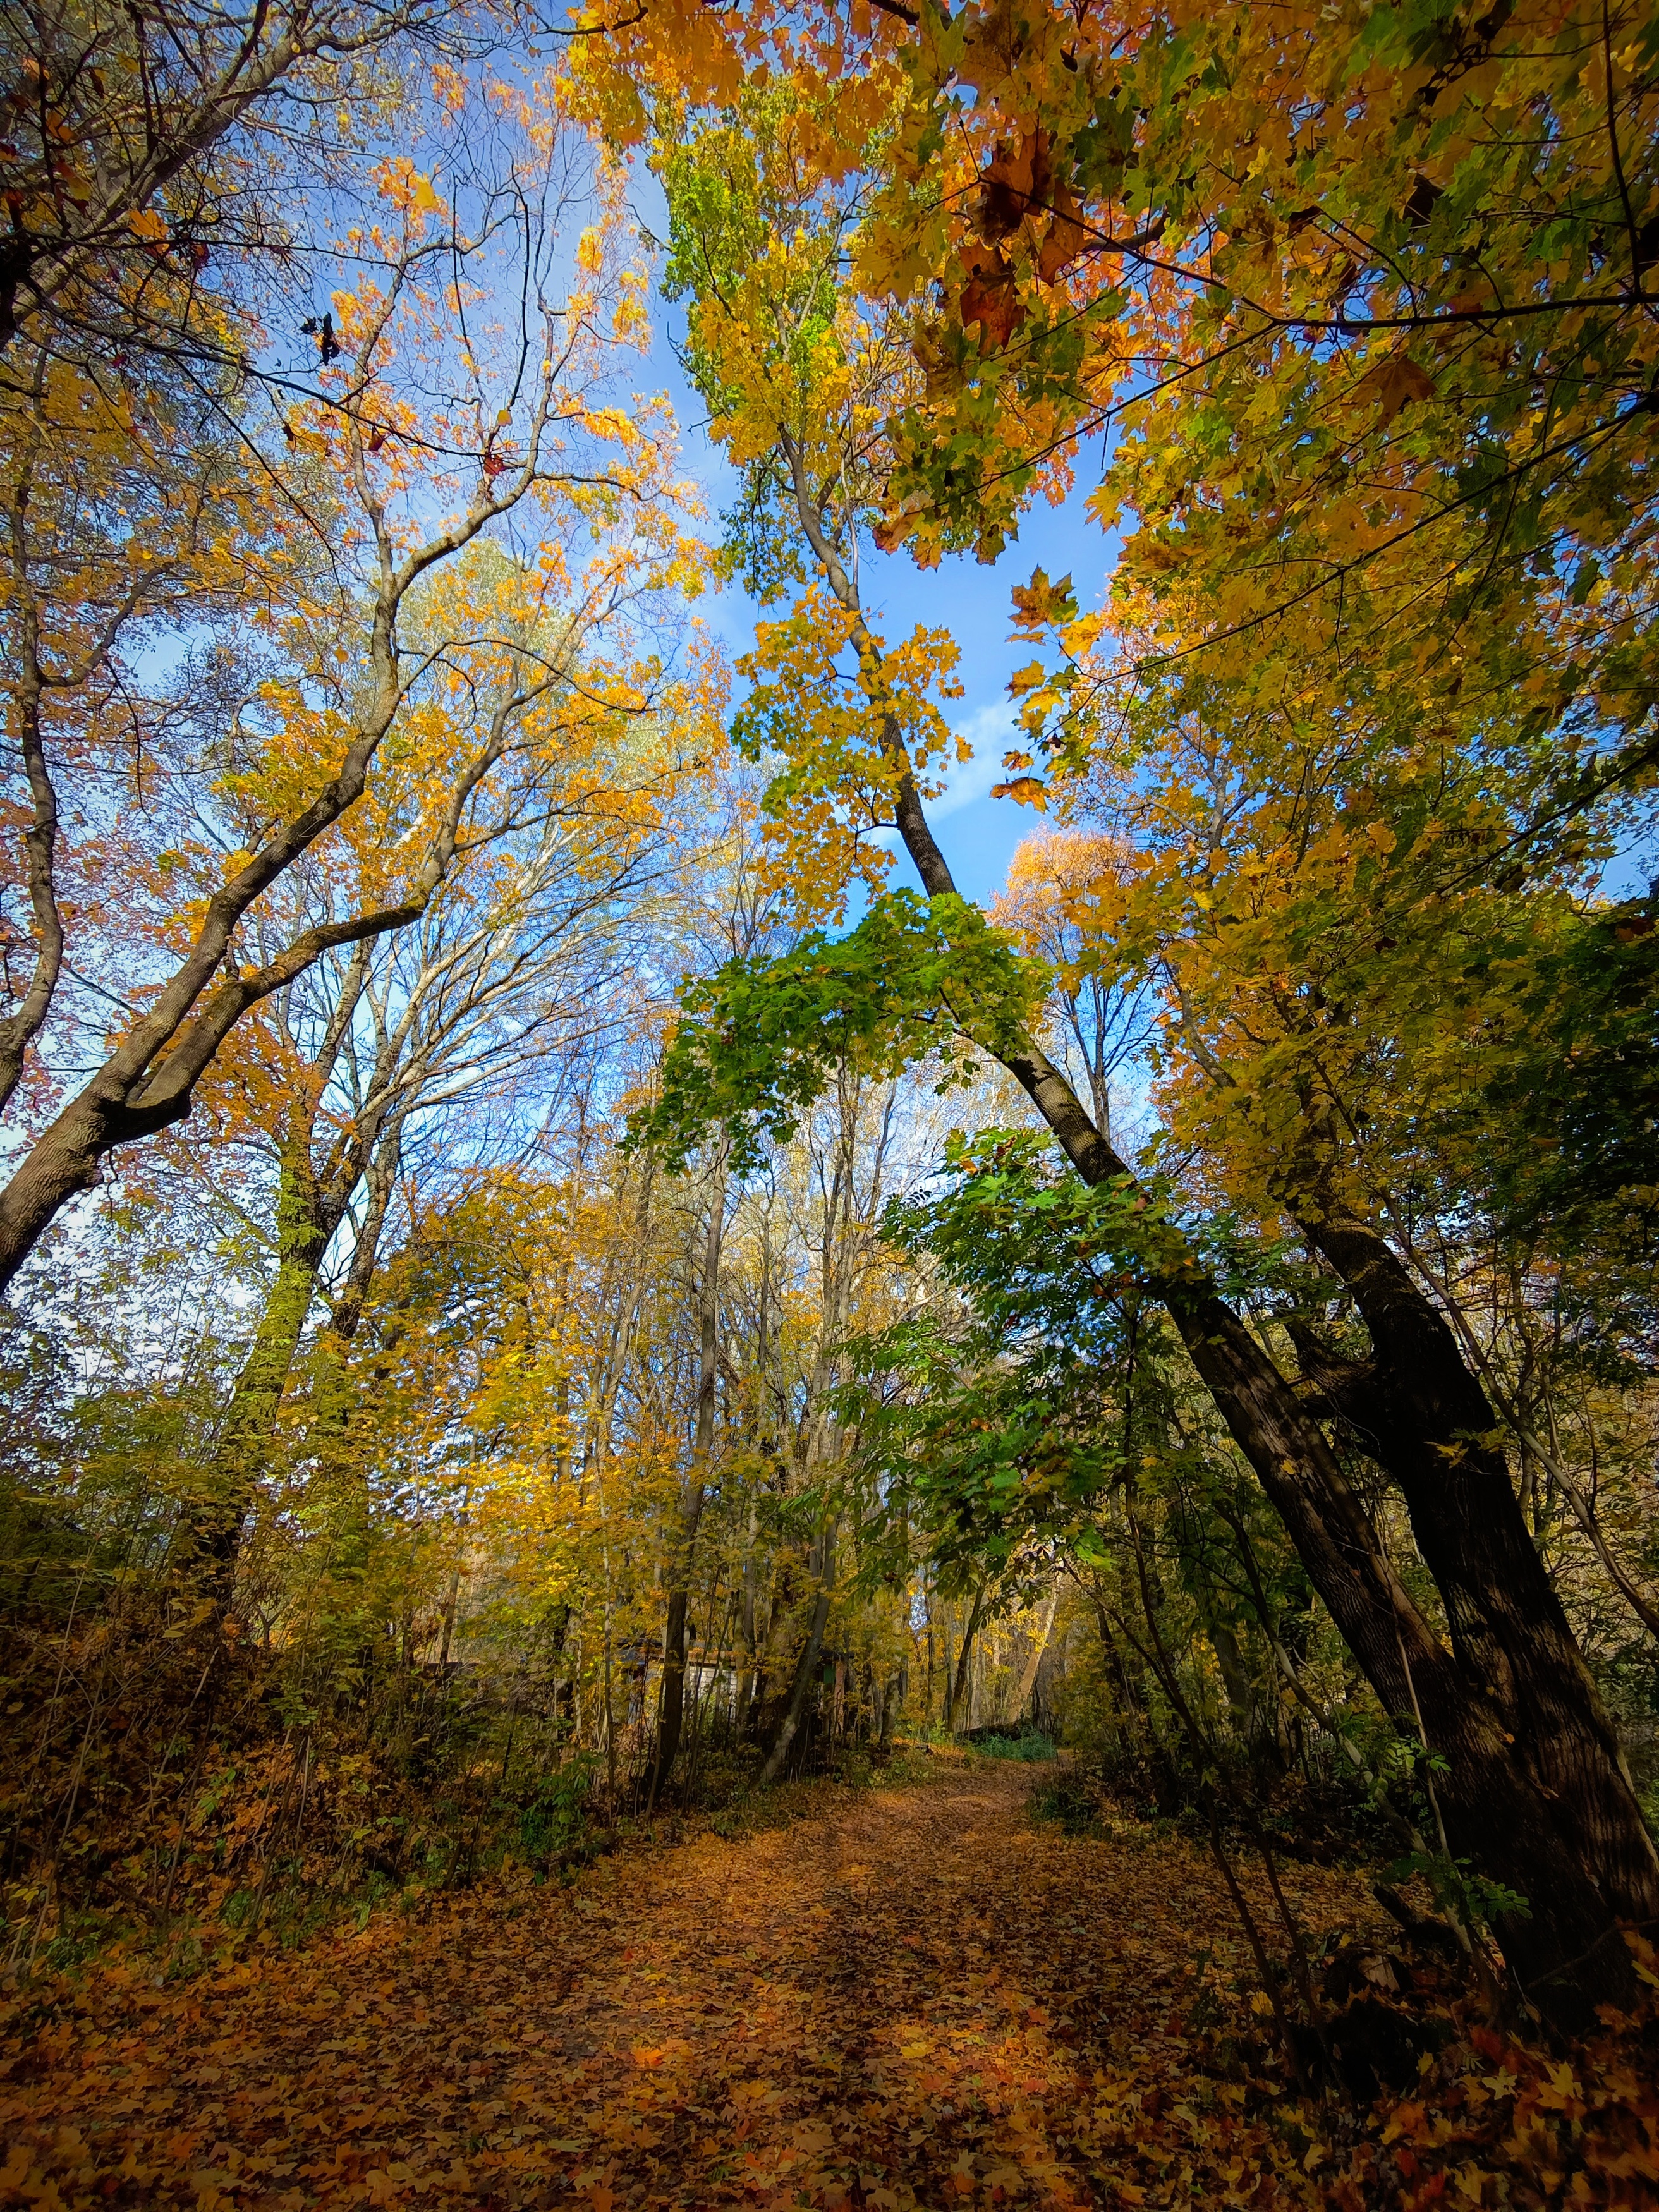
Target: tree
[[1394, 367], [370, 1057], [1104, 1027], [1586, 1858], [355, 553], [136, 140]]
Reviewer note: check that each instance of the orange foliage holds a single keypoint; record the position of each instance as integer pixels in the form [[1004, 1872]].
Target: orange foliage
[[913, 1999]]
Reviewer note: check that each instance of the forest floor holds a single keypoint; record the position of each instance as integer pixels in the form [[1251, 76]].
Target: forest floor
[[915, 1996]]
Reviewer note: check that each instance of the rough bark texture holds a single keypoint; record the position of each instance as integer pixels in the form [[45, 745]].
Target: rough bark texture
[[1420, 1413]]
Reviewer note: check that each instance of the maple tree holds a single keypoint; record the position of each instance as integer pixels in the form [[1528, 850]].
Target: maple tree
[[759, 1046], [601, 1306]]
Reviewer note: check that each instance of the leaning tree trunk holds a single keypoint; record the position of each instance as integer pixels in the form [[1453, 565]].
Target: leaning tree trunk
[[1028, 1674], [1580, 1878], [1425, 1416]]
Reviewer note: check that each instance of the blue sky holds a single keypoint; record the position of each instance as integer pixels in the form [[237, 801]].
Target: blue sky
[[978, 833]]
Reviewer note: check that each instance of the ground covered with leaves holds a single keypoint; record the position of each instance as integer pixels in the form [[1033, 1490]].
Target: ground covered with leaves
[[912, 1997]]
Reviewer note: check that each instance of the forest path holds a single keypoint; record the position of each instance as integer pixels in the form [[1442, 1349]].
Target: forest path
[[920, 1997]]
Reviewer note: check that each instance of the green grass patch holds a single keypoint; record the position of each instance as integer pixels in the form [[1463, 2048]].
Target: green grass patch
[[1027, 1746]]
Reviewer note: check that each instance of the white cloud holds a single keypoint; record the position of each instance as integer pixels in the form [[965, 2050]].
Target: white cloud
[[990, 731]]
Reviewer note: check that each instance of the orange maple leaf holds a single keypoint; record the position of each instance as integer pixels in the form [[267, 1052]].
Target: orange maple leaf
[[1392, 382]]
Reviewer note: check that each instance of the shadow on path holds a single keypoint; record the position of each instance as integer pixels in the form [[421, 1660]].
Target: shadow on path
[[921, 1998]]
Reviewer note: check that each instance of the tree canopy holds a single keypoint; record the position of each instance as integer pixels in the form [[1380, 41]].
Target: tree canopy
[[563, 1276]]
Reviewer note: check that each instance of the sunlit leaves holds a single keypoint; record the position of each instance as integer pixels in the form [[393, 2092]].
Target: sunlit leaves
[[759, 1041]]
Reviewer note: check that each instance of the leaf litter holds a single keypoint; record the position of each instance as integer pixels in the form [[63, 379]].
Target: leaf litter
[[920, 1998]]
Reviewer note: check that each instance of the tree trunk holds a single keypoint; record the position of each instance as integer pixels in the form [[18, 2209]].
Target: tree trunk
[[748, 1617], [244, 1443], [147, 1081], [976, 1614], [691, 1498], [1580, 1870], [1028, 1673], [806, 1667], [893, 1704], [1425, 1416]]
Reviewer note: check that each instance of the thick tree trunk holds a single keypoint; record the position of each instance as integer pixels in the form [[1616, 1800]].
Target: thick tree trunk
[[1567, 1953], [807, 1666], [1425, 1416]]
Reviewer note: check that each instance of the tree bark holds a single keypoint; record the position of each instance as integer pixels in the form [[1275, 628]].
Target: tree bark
[[976, 1614], [672, 1720], [807, 1666], [1028, 1673], [1421, 1413], [1580, 1873]]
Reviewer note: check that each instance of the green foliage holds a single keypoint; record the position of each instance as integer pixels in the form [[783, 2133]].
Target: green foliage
[[1575, 1094], [761, 1040], [1459, 1889], [1003, 1426], [1036, 1249], [1069, 1802], [1029, 1748], [723, 209], [557, 1812]]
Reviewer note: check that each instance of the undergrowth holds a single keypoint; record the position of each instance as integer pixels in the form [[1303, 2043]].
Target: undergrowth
[[173, 1793]]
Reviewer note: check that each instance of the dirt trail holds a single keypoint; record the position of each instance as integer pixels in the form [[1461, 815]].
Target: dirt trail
[[921, 1998]]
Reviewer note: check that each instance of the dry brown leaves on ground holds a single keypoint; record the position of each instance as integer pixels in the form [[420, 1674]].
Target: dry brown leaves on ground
[[921, 1999]]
